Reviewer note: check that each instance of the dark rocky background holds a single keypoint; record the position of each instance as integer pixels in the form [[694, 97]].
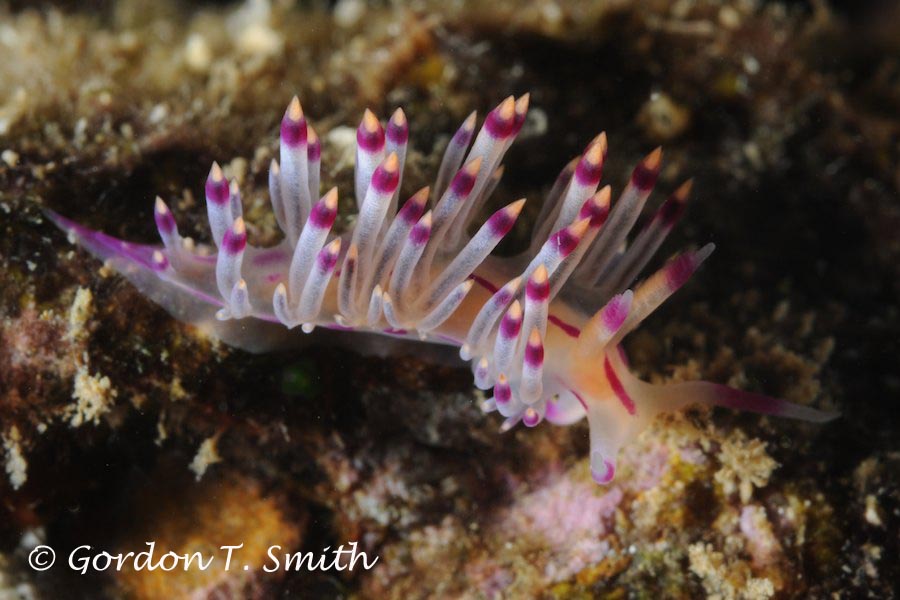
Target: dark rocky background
[[120, 425]]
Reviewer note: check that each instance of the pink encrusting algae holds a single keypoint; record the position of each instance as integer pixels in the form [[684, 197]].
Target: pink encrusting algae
[[542, 329]]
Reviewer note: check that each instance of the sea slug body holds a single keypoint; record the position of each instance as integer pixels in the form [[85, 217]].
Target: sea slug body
[[542, 329]]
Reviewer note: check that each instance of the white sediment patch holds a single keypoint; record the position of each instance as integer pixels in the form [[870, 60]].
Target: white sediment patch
[[94, 396], [207, 455], [16, 465], [79, 313]]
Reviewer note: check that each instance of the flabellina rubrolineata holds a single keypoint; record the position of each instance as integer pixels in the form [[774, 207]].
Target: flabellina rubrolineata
[[542, 329]]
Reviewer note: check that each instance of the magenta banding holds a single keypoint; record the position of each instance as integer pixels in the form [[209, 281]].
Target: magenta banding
[[98, 241], [580, 400], [463, 136], [501, 222], [165, 222], [616, 384], [537, 291], [321, 216], [485, 283], [614, 313], [326, 260], [419, 234], [534, 355], [217, 192], [552, 410], [412, 210], [397, 134], [531, 418], [160, 265], [510, 326], [565, 242], [481, 370], [604, 478], [749, 401], [497, 126], [370, 141], [643, 178], [293, 132], [314, 151], [588, 173], [680, 270], [568, 329], [597, 213], [234, 243], [502, 297], [462, 183], [274, 277], [349, 264], [385, 181], [502, 393], [671, 211]]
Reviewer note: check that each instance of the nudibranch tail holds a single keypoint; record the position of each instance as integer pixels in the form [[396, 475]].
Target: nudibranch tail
[[619, 406], [542, 329]]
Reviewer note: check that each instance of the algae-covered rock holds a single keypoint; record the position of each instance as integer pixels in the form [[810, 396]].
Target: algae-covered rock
[[118, 425]]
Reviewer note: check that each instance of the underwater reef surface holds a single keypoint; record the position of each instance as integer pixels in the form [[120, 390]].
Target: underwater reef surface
[[119, 425]]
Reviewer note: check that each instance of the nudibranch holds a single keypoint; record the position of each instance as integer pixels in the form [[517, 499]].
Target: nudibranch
[[542, 329]]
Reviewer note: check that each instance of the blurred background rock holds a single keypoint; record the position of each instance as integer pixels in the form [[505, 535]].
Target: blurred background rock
[[119, 425]]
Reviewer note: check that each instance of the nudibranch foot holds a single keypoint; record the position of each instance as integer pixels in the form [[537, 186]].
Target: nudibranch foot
[[619, 405], [542, 330]]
